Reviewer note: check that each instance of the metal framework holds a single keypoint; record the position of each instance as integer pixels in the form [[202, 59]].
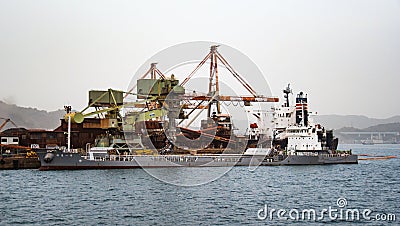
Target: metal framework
[[214, 56], [213, 97], [7, 120]]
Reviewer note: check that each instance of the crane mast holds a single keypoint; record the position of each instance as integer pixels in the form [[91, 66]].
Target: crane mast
[[7, 120]]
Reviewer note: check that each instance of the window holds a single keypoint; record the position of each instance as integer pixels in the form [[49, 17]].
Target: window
[[51, 136], [35, 136]]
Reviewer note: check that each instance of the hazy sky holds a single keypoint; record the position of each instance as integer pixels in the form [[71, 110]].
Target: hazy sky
[[345, 54]]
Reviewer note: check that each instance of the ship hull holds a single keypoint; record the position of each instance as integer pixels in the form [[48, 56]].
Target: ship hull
[[74, 161]]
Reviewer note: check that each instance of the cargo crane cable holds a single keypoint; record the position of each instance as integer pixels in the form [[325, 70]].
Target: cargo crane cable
[[228, 103]]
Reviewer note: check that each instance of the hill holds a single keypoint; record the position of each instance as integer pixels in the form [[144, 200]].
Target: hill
[[388, 127], [30, 117], [355, 121], [357, 138], [34, 118]]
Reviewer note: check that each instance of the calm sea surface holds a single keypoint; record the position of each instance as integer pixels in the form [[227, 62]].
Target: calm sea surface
[[133, 197]]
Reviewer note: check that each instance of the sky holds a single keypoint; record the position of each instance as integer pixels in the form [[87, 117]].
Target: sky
[[344, 53]]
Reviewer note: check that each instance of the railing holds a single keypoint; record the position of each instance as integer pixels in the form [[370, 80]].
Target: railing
[[304, 153], [169, 158], [121, 158], [318, 154], [335, 155]]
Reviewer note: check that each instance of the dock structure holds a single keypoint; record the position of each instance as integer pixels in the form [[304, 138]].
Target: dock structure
[[372, 133]]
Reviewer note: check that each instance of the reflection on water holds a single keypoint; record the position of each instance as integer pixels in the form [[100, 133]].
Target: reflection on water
[[134, 197]]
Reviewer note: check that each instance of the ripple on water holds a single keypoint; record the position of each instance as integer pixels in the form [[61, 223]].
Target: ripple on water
[[132, 197]]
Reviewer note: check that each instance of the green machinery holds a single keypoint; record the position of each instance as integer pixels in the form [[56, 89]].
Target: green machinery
[[156, 98]]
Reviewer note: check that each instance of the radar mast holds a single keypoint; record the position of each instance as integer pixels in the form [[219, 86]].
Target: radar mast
[[287, 91]]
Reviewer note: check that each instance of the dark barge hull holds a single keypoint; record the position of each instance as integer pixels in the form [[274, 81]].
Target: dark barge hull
[[74, 161]]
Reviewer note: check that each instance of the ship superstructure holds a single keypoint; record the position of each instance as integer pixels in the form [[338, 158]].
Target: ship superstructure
[[295, 131]]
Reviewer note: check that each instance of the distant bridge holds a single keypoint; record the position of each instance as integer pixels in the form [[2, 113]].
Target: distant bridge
[[373, 135]]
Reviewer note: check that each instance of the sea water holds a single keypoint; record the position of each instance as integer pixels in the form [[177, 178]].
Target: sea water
[[239, 197]]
